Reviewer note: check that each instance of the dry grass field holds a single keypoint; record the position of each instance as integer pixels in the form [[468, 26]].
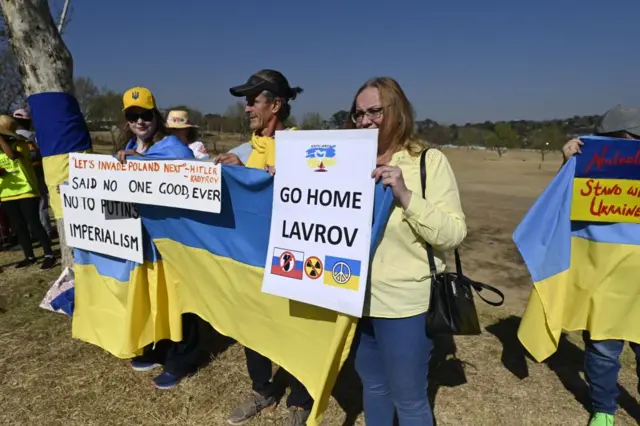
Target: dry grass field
[[47, 378]]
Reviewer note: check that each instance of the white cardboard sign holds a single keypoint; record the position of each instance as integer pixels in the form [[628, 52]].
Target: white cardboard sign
[[322, 215], [102, 226], [185, 184]]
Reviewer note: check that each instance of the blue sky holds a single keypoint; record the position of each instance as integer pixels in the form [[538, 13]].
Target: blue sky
[[458, 61]]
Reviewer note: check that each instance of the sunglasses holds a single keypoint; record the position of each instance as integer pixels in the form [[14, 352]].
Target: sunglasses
[[132, 117]]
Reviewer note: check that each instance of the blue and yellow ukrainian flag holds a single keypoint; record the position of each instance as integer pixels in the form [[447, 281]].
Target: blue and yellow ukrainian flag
[[122, 306], [342, 273], [208, 264], [60, 129], [584, 270], [213, 265]]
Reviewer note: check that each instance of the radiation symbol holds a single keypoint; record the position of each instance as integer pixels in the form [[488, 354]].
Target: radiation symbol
[[313, 267]]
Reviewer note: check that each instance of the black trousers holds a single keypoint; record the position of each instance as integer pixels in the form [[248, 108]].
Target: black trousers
[[27, 211], [260, 372], [184, 357]]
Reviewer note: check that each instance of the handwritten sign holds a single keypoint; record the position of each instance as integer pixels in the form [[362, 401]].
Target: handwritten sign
[[606, 187], [185, 184], [322, 216], [102, 226]]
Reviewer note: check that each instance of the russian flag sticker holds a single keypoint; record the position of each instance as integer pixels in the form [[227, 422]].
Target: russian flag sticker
[[287, 263]]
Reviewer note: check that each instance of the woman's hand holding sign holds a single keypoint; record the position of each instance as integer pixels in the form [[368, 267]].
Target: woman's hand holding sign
[[392, 176], [124, 153]]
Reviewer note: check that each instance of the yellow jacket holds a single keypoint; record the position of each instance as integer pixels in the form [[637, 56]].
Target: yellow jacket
[[400, 282]]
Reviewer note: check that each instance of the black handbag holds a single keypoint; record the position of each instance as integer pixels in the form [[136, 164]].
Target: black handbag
[[452, 310]]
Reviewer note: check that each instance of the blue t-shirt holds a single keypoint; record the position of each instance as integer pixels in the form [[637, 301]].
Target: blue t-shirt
[[242, 151]]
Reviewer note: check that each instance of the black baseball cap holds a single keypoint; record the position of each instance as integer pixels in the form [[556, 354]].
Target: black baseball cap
[[256, 84]]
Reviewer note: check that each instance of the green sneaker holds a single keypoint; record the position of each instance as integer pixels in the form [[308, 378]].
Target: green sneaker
[[601, 419]]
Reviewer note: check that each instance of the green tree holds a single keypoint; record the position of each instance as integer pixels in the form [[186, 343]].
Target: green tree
[[291, 122], [549, 138], [502, 138], [106, 111], [86, 93], [311, 121], [339, 119], [470, 136], [237, 119]]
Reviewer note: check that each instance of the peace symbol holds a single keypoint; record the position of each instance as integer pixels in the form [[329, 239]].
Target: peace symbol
[[341, 273]]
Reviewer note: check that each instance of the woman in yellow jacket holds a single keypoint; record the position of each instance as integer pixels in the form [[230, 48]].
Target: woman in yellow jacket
[[392, 345], [19, 193]]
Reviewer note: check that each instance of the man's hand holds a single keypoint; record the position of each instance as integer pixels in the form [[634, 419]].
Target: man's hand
[[227, 160], [571, 148]]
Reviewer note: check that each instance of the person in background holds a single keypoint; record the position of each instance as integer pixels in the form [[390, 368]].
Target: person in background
[[602, 357], [23, 118], [178, 124], [392, 345], [267, 94], [146, 136], [19, 193]]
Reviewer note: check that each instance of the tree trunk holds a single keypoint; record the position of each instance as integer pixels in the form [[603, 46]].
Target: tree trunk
[[44, 61]]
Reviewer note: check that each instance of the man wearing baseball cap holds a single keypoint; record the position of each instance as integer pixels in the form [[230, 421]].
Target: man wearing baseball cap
[[267, 94], [602, 357], [619, 122]]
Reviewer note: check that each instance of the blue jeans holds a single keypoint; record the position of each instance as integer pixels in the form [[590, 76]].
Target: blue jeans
[[601, 367], [392, 359]]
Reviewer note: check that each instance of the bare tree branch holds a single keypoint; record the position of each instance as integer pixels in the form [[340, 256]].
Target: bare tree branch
[[62, 22]]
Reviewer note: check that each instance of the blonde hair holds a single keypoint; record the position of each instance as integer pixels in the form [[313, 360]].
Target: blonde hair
[[397, 129]]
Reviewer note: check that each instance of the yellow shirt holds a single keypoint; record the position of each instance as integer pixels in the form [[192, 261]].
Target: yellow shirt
[[24, 155], [400, 282]]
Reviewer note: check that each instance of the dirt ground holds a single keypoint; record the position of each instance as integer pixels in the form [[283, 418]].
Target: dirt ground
[[47, 378]]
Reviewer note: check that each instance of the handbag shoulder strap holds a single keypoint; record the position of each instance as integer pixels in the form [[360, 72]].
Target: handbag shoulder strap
[[423, 182]]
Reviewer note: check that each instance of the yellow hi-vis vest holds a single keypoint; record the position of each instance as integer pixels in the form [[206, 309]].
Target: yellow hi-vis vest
[[17, 177]]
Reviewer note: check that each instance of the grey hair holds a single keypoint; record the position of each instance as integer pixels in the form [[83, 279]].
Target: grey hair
[[285, 109]]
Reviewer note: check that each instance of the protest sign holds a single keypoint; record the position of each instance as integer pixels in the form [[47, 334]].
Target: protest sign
[[102, 226], [320, 233], [606, 186], [185, 184]]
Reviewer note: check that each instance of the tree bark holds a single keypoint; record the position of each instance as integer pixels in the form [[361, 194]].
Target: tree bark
[[44, 61]]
